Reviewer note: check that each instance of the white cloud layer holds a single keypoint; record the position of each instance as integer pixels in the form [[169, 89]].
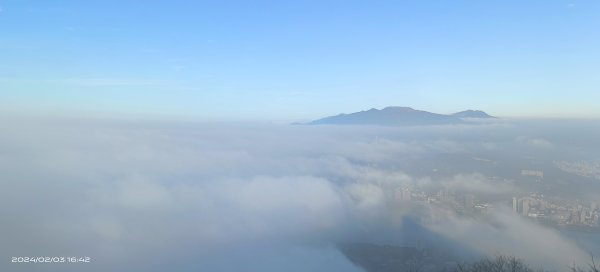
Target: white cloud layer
[[146, 195]]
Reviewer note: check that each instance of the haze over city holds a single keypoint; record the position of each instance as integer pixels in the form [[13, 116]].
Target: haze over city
[[298, 135]]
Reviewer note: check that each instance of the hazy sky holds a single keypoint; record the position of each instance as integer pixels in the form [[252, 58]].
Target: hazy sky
[[300, 59]]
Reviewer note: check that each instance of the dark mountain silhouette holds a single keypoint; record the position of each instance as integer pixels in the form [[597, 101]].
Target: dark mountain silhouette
[[395, 116], [472, 114]]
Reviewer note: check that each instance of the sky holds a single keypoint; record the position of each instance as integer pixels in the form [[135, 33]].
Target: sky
[[299, 60]]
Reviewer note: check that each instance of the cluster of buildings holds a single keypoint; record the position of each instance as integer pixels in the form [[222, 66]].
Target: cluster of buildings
[[534, 206], [532, 173], [582, 168], [461, 202], [563, 214]]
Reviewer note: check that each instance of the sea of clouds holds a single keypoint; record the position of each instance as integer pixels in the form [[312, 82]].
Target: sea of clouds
[[200, 196]]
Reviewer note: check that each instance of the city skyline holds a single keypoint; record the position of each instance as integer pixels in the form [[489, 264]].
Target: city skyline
[[299, 61]]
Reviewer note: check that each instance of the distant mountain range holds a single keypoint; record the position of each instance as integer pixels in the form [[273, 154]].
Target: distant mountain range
[[399, 116], [472, 114]]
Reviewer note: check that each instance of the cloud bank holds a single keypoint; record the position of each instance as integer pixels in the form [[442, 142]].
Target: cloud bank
[[151, 196]]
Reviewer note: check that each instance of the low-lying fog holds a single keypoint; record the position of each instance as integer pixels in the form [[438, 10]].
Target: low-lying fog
[[186, 196]]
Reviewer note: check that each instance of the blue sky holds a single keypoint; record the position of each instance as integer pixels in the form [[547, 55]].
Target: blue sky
[[276, 60]]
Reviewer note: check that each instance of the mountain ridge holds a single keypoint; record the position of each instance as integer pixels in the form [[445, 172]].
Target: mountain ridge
[[398, 116], [472, 114]]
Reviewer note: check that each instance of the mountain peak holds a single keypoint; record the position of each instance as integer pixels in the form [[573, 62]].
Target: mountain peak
[[472, 114], [396, 108], [399, 116], [390, 116]]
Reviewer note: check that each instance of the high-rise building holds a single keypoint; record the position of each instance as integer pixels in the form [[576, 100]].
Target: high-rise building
[[515, 205], [584, 215], [403, 194], [575, 216], [525, 208]]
